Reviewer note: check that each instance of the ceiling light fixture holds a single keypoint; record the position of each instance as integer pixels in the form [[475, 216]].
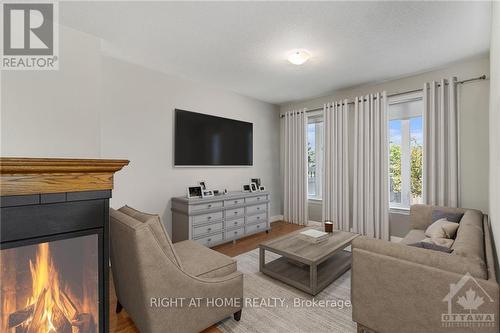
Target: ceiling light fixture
[[298, 57]]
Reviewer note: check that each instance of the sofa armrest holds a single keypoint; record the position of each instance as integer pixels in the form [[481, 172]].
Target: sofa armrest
[[391, 293], [445, 261]]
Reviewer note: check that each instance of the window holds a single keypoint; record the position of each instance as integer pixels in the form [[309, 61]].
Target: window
[[405, 150], [314, 156]]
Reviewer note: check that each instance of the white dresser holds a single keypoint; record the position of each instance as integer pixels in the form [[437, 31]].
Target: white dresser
[[220, 219]]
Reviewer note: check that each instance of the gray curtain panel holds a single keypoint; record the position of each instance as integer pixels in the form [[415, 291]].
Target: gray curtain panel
[[294, 158], [336, 164], [371, 155], [440, 173]]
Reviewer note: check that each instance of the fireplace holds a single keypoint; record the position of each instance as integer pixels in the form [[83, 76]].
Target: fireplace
[[51, 286], [54, 254]]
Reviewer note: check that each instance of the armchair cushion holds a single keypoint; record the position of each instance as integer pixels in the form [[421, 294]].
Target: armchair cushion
[[201, 261]]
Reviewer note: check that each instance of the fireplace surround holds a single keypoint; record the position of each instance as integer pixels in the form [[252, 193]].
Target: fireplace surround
[[54, 250]]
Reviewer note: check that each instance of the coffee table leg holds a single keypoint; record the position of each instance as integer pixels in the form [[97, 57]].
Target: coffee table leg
[[262, 258], [313, 278]]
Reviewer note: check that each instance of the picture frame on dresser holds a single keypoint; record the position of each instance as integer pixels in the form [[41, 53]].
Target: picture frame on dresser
[[194, 192]]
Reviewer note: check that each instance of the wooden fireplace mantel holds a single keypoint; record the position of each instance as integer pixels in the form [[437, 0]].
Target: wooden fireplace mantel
[[23, 176]]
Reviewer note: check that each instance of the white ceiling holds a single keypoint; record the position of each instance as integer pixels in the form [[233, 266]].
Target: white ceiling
[[242, 46]]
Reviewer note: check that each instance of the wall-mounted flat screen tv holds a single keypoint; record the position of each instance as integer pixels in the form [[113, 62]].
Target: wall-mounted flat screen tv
[[204, 140]]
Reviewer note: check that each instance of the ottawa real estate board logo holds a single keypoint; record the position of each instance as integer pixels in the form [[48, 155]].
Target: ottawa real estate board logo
[[467, 301], [30, 36]]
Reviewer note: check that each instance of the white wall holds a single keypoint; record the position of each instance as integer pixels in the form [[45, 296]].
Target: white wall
[[97, 106], [495, 126], [54, 113], [474, 102], [137, 124]]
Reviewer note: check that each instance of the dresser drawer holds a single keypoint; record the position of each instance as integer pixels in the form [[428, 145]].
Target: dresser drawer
[[203, 218], [205, 206], [235, 213], [235, 223], [234, 233], [256, 199], [210, 240], [207, 229], [256, 218], [250, 229], [234, 202], [256, 209]]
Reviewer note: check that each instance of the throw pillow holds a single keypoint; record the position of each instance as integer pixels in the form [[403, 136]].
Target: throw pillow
[[442, 228], [452, 217], [430, 246], [446, 242]]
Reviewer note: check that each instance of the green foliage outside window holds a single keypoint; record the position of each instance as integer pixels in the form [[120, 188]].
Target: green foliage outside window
[[395, 166], [415, 168]]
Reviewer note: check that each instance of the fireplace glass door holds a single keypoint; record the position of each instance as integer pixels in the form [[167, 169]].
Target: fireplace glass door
[[51, 287]]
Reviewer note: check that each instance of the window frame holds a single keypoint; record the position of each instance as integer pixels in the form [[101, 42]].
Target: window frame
[[313, 118], [404, 205]]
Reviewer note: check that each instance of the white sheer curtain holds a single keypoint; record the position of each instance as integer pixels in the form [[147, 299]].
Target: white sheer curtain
[[371, 155], [441, 143], [336, 165], [294, 158]]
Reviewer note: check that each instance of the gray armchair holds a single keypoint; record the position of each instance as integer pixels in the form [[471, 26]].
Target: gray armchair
[[150, 272]]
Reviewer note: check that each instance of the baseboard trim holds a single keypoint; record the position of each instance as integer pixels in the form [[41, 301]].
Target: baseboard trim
[[276, 218]]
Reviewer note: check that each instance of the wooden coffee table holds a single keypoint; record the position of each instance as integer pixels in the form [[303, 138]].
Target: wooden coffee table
[[308, 267]]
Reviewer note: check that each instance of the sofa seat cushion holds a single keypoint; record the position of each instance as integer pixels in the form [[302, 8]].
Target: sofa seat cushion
[[414, 236], [201, 261], [431, 246]]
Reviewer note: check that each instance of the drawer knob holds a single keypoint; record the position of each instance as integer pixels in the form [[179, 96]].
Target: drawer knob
[[258, 208], [236, 232], [258, 217], [209, 240], [209, 229], [235, 212], [258, 226], [235, 223], [258, 198], [235, 201], [209, 206], [209, 218]]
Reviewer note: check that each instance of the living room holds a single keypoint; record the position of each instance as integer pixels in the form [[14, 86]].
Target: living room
[[250, 166]]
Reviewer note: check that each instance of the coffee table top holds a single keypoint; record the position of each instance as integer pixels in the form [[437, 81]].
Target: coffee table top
[[294, 247]]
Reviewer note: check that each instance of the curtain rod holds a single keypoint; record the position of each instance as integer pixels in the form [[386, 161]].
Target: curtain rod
[[482, 77]]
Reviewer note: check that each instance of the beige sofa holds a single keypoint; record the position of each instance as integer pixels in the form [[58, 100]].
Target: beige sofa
[[150, 273], [400, 288]]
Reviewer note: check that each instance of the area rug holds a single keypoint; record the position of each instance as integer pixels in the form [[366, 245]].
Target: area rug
[[266, 314]]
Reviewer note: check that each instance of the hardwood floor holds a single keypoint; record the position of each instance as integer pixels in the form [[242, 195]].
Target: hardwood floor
[[121, 323]]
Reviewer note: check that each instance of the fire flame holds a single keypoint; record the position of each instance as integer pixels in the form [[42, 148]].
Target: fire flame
[[45, 279], [52, 303]]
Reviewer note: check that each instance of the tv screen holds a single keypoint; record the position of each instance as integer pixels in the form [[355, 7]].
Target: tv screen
[[202, 139]]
